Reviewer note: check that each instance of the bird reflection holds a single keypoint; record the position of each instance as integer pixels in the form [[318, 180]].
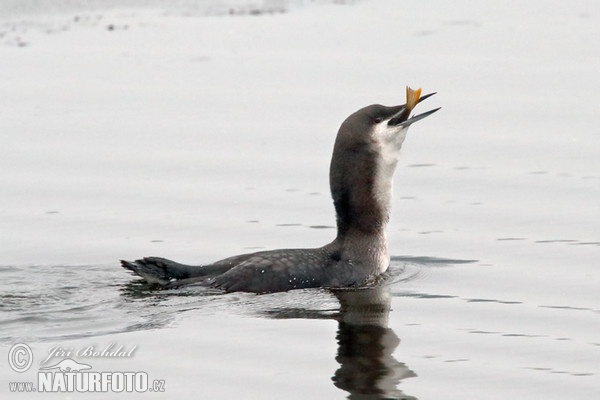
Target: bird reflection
[[368, 369]]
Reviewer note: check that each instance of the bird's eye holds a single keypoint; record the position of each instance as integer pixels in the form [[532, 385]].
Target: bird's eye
[[377, 120]]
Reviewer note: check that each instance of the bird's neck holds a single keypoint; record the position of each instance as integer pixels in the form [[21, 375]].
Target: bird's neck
[[361, 179], [362, 205], [362, 193]]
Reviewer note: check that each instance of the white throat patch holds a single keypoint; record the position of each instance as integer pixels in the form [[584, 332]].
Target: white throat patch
[[389, 139]]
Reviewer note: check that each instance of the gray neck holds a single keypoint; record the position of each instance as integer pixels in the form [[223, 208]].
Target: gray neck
[[361, 188], [362, 204], [361, 175]]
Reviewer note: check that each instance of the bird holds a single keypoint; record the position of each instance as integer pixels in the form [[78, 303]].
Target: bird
[[364, 159]]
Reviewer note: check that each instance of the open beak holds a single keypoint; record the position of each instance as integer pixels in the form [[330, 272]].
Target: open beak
[[401, 118]]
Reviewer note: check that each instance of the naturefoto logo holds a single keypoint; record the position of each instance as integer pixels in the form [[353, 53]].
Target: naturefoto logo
[[68, 365], [69, 375]]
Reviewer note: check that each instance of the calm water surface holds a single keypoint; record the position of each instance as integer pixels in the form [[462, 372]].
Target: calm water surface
[[50, 307], [369, 343]]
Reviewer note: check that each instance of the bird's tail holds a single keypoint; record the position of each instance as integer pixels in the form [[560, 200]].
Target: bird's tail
[[157, 270]]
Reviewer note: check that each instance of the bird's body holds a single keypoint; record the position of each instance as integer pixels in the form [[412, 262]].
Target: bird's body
[[364, 159]]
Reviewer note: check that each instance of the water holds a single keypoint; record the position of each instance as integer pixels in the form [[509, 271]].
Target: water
[[56, 314], [55, 302], [371, 350], [197, 138]]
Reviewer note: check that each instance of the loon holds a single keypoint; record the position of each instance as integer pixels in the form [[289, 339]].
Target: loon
[[364, 159]]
